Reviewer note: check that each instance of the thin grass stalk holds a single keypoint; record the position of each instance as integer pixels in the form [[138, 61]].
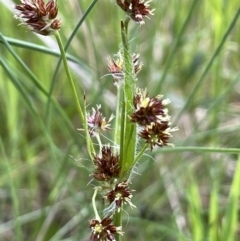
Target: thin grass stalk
[[79, 24], [129, 130], [208, 67], [19, 87], [19, 60], [198, 149], [14, 196], [64, 59], [117, 134], [73, 223], [36, 47], [213, 214], [176, 43], [194, 211], [231, 218], [220, 98], [82, 114], [38, 84]]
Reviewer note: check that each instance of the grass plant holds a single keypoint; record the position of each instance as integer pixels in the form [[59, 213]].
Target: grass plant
[[190, 54]]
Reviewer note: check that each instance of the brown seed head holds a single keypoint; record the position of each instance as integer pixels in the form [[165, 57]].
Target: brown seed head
[[157, 133], [136, 9], [106, 165], [116, 67], [103, 230], [148, 110], [97, 122], [119, 195], [38, 16]]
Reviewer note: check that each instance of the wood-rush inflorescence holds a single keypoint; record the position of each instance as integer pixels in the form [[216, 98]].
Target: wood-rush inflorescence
[[136, 114], [119, 195], [137, 10], [152, 116], [116, 67], [106, 165], [97, 122], [38, 16], [104, 230]]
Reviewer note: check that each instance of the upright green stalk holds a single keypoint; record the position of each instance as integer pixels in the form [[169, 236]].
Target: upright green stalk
[[82, 114], [128, 129], [230, 224], [117, 132], [14, 196]]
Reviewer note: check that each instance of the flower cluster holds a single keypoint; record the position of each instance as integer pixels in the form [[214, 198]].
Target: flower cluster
[[106, 165], [38, 16], [97, 122], [119, 195], [150, 114], [152, 117], [116, 67], [103, 230], [136, 9]]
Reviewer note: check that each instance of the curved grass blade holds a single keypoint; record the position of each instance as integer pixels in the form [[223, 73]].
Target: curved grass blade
[[208, 67], [59, 61]]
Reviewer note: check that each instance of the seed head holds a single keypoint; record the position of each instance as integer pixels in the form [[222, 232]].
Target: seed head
[[119, 195], [103, 230], [38, 16], [136, 64], [157, 133], [97, 122], [136, 9], [106, 165], [116, 67], [148, 110]]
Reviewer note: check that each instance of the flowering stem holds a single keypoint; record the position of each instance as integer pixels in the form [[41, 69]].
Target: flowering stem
[[94, 204], [140, 153], [128, 129], [117, 119], [82, 114], [90, 147], [118, 223]]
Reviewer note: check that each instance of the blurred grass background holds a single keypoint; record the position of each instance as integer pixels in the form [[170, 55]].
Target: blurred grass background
[[191, 54]]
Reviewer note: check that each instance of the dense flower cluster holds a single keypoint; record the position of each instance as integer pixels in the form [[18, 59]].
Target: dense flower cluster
[[116, 67], [97, 122], [148, 110], [157, 133], [106, 165], [38, 16], [103, 230], [136, 9], [152, 116], [119, 195]]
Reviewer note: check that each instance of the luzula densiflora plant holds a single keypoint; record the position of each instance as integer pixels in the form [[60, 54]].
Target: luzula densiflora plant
[[138, 116]]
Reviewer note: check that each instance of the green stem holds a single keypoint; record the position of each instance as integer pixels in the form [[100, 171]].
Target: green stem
[[118, 223], [208, 67], [94, 204], [79, 24], [82, 115], [13, 191], [128, 129], [198, 150], [176, 44], [140, 154], [90, 147], [117, 119], [64, 59], [128, 142], [230, 225]]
